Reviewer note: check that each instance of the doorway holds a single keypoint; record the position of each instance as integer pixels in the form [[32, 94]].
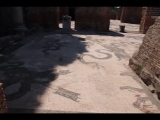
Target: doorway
[[70, 11]]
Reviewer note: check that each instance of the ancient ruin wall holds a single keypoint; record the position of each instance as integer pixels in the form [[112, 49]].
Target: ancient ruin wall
[[131, 15], [147, 20], [3, 108], [46, 17], [93, 18], [146, 61]]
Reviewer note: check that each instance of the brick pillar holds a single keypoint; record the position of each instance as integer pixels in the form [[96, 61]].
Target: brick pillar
[[131, 15], [146, 20], [3, 108], [93, 18]]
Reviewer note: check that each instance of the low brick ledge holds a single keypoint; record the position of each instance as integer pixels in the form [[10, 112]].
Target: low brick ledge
[[151, 81]]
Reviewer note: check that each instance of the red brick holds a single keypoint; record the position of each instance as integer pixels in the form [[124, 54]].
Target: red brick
[[131, 15], [146, 20], [47, 17], [94, 18], [149, 53]]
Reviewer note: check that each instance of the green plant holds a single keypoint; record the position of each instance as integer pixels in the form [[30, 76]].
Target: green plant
[[139, 68]]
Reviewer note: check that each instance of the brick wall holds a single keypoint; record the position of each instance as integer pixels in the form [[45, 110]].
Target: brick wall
[[46, 17], [155, 11], [147, 20], [113, 15], [146, 61], [93, 18], [63, 11], [3, 108], [131, 15]]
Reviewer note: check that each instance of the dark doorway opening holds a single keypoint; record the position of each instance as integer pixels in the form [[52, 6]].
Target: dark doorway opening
[[72, 13]]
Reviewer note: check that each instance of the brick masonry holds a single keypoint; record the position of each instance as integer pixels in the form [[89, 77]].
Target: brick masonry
[[131, 15], [92, 18], [46, 17], [63, 11], [146, 61], [147, 20], [3, 106]]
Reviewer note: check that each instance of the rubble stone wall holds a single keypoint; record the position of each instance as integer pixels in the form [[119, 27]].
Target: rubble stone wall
[[92, 18], [146, 61]]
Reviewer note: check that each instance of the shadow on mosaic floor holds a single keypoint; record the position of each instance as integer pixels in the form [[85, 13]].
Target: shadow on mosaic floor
[[18, 80], [88, 32]]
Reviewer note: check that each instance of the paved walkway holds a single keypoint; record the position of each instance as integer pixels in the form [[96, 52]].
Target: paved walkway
[[84, 72]]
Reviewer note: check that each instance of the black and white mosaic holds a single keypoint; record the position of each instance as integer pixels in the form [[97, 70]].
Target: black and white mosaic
[[68, 94], [95, 64], [118, 52]]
